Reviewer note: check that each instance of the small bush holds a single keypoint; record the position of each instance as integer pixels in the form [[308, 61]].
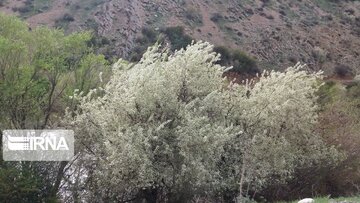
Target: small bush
[[148, 38], [356, 26], [64, 21], [194, 16], [28, 2], [23, 10], [270, 17], [150, 34], [357, 21], [26, 8], [343, 71], [244, 63], [137, 53], [319, 54], [241, 62], [249, 11], [353, 90], [282, 12], [216, 17], [177, 37], [327, 92], [266, 1], [92, 24], [67, 17], [225, 54], [98, 41], [350, 11]]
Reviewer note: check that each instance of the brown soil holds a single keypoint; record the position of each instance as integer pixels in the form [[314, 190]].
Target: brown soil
[[48, 17], [7, 8]]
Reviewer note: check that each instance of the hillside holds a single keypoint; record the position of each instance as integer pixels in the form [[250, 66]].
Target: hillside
[[322, 33]]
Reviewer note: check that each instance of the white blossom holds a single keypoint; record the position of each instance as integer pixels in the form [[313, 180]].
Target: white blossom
[[174, 121]]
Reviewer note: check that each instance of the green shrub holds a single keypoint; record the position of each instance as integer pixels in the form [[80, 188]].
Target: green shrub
[[136, 53], [92, 24], [343, 70], [241, 62], [244, 63], [150, 33], [353, 90], [177, 37], [98, 41], [21, 10], [31, 7], [68, 17], [193, 16], [356, 26], [64, 21], [148, 38], [327, 92], [225, 55], [27, 8], [216, 17], [28, 2]]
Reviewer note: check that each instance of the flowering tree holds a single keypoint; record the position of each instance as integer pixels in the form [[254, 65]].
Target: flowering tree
[[171, 127], [276, 115]]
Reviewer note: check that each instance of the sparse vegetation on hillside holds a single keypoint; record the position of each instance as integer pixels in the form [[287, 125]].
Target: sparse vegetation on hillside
[[241, 62], [239, 25], [64, 21], [32, 7], [193, 17], [174, 35]]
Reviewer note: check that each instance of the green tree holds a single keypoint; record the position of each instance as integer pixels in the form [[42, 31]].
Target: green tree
[[39, 69]]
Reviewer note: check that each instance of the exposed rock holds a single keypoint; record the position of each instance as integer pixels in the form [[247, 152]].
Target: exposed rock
[[128, 15]]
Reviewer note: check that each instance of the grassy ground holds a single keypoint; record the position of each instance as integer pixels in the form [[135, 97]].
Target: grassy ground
[[329, 200]]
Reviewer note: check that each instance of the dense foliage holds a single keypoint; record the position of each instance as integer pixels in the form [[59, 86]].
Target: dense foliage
[[157, 132], [39, 69]]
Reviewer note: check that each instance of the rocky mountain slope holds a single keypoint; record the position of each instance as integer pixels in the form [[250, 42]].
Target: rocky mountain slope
[[325, 34]]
